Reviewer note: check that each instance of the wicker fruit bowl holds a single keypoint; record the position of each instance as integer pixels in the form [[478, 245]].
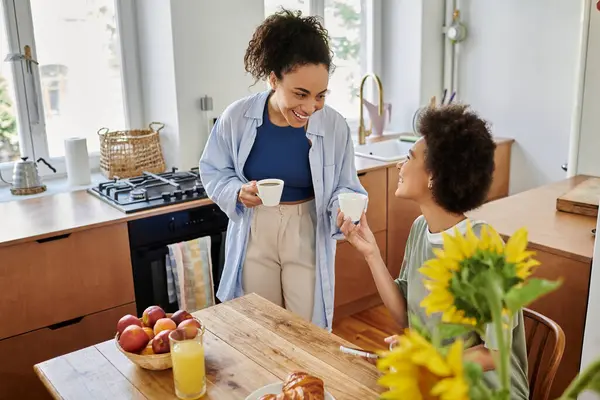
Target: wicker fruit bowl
[[144, 351], [154, 362]]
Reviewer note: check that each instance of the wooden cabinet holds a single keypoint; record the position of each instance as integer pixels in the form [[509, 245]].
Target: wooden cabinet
[[20, 353], [53, 280], [501, 177], [355, 288], [353, 273], [567, 306], [375, 183]]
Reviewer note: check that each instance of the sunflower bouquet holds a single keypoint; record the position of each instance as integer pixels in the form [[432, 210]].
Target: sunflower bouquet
[[475, 283]]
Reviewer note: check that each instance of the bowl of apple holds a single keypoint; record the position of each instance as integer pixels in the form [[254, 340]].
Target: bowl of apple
[[145, 341]]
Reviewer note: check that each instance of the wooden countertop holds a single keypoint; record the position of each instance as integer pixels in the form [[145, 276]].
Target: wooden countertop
[[47, 216], [555, 232], [36, 218], [249, 343]]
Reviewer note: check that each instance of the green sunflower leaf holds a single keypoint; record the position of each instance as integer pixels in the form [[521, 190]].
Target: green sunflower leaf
[[521, 296], [451, 331], [415, 323], [473, 372]]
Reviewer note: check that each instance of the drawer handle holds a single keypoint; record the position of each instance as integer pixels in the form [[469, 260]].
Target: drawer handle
[[361, 173], [53, 238], [65, 323]]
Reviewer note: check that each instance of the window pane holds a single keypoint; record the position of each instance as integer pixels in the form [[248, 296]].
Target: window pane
[[272, 6], [9, 134], [77, 48], [343, 20]]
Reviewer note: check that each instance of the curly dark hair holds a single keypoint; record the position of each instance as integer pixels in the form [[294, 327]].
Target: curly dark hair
[[459, 156], [284, 41]]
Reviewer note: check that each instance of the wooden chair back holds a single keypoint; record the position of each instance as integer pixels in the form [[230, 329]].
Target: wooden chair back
[[545, 347]]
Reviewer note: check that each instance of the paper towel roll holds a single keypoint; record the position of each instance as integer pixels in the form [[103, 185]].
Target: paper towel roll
[[77, 161]]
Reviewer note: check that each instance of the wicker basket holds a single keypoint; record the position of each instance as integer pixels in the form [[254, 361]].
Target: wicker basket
[[155, 362], [125, 154]]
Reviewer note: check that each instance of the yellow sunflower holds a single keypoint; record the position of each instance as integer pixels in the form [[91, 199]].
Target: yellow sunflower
[[459, 248], [416, 370]]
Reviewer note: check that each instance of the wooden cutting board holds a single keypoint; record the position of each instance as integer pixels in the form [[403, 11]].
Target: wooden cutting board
[[582, 199]]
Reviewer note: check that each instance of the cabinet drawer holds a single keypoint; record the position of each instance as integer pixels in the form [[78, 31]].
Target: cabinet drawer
[[375, 183], [52, 280], [353, 279], [20, 353]]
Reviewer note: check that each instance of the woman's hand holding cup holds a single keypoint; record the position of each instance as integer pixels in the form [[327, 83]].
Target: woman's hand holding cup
[[248, 195], [359, 235]]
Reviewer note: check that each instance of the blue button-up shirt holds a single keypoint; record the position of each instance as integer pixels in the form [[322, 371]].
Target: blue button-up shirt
[[331, 160]]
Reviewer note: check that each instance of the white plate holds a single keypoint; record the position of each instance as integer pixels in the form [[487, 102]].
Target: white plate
[[275, 388]]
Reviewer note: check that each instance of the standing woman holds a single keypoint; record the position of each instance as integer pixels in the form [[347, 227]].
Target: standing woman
[[284, 253]]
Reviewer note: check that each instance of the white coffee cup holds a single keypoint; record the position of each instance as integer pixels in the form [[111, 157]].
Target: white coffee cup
[[353, 205], [269, 191]]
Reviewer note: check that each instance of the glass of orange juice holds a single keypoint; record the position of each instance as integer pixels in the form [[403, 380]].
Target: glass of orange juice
[[187, 355]]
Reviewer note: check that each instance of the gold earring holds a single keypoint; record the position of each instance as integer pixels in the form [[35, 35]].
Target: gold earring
[[430, 185]]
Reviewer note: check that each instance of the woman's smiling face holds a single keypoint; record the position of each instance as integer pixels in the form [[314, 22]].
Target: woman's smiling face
[[413, 178], [300, 92]]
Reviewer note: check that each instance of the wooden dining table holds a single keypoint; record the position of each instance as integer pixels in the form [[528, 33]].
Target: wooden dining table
[[249, 343]]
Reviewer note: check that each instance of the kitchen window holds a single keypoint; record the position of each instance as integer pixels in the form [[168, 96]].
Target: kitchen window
[[353, 27], [75, 81]]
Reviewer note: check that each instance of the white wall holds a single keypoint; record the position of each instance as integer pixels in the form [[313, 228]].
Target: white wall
[[412, 55], [157, 73], [189, 49], [517, 68], [589, 141], [210, 40]]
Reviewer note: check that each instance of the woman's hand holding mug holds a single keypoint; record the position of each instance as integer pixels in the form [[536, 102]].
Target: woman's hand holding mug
[[248, 195]]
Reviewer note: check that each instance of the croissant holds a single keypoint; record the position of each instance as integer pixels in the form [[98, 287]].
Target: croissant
[[294, 394], [299, 386]]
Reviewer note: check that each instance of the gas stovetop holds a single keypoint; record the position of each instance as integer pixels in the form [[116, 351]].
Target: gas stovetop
[[151, 190]]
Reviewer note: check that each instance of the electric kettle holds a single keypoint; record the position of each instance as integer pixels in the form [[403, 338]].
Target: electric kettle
[[26, 178]]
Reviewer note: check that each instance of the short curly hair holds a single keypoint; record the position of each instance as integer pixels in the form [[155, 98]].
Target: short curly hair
[[459, 156], [284, 41]]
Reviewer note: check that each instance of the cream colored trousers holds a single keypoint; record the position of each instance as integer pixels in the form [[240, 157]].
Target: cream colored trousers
[[280, 258]]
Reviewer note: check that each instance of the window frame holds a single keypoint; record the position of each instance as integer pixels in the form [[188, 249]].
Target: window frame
[[33, 140]]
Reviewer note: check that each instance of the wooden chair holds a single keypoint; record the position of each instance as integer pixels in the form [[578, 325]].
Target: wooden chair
[[545, 347]]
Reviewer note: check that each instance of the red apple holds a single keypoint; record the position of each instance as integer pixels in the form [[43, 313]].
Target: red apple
[[160, 343], [151, 315], [190, 327], [133, 339], [180, 316], [164, 324], [126, 321]]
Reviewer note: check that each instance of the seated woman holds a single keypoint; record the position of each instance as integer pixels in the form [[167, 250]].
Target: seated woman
[[448, 173]]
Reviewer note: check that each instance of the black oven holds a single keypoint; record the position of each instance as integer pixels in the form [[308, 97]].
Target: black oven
[[148, 239]]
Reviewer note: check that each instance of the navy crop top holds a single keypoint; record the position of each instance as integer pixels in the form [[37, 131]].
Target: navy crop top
[[281, 152]]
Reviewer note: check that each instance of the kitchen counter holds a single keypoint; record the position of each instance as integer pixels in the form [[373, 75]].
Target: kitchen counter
[[556, 232], [37, 218], [51, 215]]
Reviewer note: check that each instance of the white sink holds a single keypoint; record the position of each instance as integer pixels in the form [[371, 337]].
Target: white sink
[[386, 150]]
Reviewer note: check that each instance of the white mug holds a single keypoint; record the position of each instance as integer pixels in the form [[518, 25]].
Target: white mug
[[269, 191], [353, 205]]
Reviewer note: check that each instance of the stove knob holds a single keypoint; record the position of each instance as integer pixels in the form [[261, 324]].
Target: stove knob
[[178, 194], [166, 196], [199, 189], [189, 192]]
